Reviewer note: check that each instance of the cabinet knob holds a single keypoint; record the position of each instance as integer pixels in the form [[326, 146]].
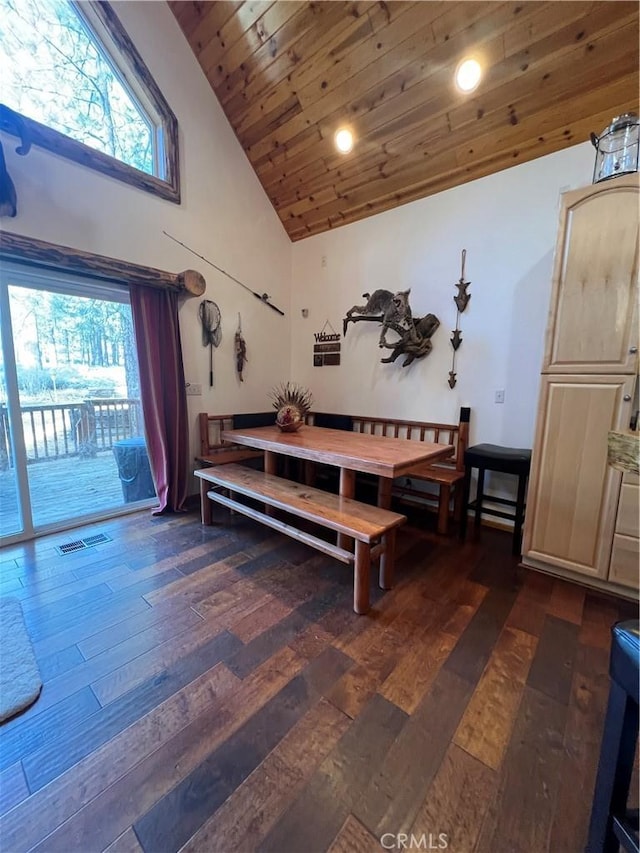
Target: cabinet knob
[[633, 349], [626, 398]]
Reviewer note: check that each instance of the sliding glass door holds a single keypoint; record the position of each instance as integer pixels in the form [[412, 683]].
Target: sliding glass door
[[72, 446]]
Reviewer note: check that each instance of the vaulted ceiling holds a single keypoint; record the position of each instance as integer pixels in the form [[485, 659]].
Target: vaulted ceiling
[[289, 74]]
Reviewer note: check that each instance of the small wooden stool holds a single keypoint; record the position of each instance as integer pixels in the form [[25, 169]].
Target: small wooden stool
[[612, 825], [506, 460]]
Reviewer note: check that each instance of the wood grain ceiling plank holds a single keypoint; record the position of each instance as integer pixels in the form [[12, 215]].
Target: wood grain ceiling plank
[[381, 16], [544, 23], [358, 206], [394, 96], [310, 21], [270, 122], [557, 64], [373, 185], [384, 195], [210, 18], [190, 13], [335, 51], [304, 141], [281, 166], [324, 196], [504, 136], [548, 81], [592, 102], [544, 107], [302, 229], [551, 141], [373, 162], [403, 41], [264, 90], [476, 109], [183, 11], [267, 25], [227, 35], [307, 17], [416, 177], [270, 98]]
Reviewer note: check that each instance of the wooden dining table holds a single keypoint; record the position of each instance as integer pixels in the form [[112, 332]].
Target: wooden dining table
[[351, 452]]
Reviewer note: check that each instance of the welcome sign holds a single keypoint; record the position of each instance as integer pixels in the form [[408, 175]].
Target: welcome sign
[[326, 349]]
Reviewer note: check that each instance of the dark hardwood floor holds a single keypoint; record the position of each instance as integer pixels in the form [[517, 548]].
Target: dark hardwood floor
[[210, 689]]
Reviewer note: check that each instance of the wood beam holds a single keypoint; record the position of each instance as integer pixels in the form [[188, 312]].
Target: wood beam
[[17, 247]]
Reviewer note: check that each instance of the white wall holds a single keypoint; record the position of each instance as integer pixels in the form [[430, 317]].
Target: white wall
[[508, 223], [224, 215]]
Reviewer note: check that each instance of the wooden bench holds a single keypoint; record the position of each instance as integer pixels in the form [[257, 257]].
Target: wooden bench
[[372, 528], [215, 451], [448, 476]]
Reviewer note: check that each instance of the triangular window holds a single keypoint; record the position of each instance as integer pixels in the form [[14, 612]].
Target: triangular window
[[72, 72]]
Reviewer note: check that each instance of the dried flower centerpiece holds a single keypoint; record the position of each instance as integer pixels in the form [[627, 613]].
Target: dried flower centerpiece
[[291, 402]]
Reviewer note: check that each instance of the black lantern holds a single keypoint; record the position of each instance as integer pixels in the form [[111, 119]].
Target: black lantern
[[617, 148]]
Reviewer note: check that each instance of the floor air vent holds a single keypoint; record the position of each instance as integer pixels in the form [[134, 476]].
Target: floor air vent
[[81, 544]]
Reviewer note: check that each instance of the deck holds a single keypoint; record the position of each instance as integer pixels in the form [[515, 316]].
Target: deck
[[62, 489]]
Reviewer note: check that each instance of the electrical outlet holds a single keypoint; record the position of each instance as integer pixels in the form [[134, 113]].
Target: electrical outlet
[[323, 261], [194, 390], [500, 396]]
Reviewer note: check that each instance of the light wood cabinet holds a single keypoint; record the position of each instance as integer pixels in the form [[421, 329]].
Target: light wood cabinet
[[625, 554], [573, 492], [593, 321], [581, 520]]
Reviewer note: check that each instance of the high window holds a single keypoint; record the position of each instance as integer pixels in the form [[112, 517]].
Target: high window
[[72, 72]]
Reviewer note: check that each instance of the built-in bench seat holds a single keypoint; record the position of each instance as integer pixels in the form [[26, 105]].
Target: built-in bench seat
[[448, 476], [372, 528], [215, 451]]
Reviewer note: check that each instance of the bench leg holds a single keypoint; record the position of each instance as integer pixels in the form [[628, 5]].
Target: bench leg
[[347, 490], [361, 573], [205, 503], [387, 560], [444, 497], [270, 467]]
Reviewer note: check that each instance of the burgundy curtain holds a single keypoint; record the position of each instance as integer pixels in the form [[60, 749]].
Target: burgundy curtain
[[162, 387]]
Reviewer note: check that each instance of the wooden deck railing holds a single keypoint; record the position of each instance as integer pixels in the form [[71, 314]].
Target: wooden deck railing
[[83, 428]]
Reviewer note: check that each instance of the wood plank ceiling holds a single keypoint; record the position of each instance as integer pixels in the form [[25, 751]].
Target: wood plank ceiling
[[289, 74]]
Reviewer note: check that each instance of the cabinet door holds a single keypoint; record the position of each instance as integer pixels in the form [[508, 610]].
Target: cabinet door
[[593, 314], [573, 491], [624, 568]]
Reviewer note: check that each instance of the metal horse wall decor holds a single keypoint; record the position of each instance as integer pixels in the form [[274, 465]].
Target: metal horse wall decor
[[393, 312], [461, 300]]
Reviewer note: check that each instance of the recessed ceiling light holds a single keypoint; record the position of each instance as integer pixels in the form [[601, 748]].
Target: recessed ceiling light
[[468, 75], [344, 140]]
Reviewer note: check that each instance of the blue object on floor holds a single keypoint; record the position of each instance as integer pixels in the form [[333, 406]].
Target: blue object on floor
[[133, 468]]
